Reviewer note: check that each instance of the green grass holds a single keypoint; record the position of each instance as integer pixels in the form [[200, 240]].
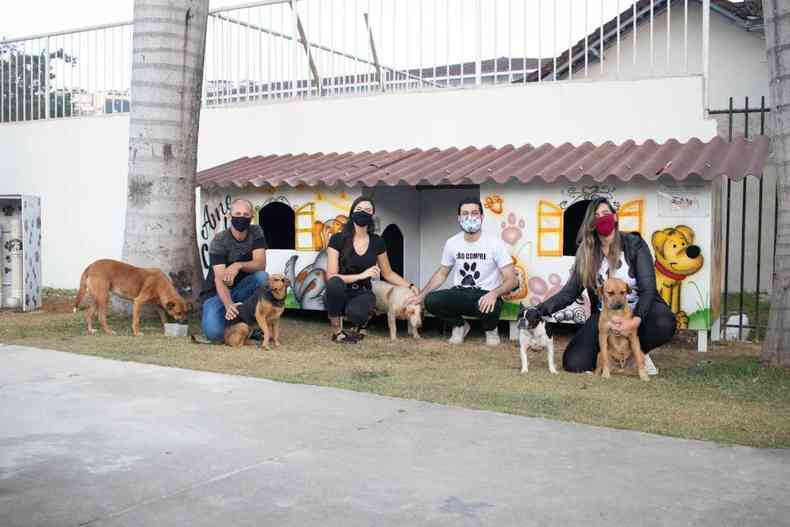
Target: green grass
[[723, 395]]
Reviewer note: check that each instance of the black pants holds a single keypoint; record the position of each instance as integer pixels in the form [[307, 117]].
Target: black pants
[[656, 330], [451, 305], [355, 303]]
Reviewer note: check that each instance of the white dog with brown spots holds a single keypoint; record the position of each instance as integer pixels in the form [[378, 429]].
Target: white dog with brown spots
[[535, 337]]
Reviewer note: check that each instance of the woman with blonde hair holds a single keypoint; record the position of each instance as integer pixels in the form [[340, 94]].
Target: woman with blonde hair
[[604, 251]]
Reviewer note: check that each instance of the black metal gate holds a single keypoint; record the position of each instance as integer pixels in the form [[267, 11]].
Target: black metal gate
[[745, 310]]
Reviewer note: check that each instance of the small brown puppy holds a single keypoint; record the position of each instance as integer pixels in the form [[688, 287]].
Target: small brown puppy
[[391, 300], [615, 345], [263, 309], [138, 284]]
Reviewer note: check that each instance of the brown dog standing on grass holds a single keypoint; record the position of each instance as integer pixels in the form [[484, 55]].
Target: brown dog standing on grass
[[263, 309], [138, 284], [613, 344]]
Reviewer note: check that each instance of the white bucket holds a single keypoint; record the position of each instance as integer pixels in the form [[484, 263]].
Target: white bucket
[[11, 280]]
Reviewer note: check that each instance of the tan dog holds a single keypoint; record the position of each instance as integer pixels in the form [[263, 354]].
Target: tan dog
[[138, 284], [676, 258], [391, 300], [614, 345], [262, 309]]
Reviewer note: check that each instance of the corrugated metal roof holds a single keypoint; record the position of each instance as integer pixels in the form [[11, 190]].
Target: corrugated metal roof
[[453, 166]]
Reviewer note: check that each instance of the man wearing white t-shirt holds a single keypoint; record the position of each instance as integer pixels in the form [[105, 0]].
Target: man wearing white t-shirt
[[482, 272]]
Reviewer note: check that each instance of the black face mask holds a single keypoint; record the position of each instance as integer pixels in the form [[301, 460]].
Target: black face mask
[[362, 218], [240, 223]]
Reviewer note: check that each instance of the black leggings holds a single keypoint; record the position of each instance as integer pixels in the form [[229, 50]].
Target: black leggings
[[654, 331], [355, 303]]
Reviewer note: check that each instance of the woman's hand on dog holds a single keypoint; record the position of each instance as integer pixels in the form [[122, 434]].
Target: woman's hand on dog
[[620, 325], [487, 302]]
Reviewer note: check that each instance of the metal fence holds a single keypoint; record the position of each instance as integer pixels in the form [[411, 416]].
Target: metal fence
[[277, 49], [750, 209]]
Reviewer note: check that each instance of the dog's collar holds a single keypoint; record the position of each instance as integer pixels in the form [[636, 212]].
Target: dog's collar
[[670, 274], [268, 294]]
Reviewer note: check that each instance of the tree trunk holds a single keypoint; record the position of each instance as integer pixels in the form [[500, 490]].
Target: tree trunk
[[776, 14], [167, 75]]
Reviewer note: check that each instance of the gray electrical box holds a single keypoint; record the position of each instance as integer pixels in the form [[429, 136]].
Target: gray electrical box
[[20, 252]]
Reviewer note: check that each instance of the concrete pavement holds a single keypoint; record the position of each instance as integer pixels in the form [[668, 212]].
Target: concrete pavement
[[88, 441]]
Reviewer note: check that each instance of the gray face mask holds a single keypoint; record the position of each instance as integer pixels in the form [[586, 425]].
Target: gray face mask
[[470, 224]]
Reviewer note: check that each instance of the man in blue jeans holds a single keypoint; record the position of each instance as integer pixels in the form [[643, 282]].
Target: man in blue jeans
[[237, 263]]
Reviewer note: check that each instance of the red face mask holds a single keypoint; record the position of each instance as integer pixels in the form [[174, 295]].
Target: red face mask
[[605, 224]]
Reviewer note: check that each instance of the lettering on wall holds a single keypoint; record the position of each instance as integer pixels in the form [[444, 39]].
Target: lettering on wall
[[214, 219]]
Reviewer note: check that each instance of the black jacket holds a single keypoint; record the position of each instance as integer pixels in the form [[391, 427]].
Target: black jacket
[[640, 261]]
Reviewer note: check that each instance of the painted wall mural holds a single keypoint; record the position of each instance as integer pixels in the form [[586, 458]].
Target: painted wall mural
[[31, 229], [677, 258], [539, 223], [298, 223]]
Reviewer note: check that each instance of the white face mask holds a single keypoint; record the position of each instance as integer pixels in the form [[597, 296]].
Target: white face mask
[[470, 224]]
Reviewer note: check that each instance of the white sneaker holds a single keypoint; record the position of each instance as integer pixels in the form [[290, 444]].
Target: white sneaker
[[492, 337], [459, 333], [649, 366]]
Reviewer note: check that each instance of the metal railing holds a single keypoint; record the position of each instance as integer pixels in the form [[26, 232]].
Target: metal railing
[[278, 49], [750, 209]]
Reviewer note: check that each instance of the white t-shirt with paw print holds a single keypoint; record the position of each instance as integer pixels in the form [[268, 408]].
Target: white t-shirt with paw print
[[476, 264]]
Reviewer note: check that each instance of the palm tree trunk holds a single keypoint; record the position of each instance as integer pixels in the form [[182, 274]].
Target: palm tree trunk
[[776, 347], [167, 74]]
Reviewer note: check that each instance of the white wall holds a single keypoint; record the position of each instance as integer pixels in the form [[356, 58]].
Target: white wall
[[549, 112], [78, 166], [738, 64], [401, 206]]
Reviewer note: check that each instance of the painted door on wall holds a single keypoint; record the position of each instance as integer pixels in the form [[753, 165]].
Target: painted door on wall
[[438, 222]]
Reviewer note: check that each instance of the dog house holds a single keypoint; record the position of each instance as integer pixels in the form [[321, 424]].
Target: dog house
[[534, 199]]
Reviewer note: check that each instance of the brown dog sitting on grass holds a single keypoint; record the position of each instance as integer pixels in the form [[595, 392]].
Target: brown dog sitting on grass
[[263, 309], [140, 285], [615, 345]]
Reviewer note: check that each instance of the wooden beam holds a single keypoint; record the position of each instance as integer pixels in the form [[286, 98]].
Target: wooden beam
[[717, 258]]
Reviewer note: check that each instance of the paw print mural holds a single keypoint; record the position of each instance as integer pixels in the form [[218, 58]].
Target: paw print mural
[[470, 274], [512, 229], [494, 202]]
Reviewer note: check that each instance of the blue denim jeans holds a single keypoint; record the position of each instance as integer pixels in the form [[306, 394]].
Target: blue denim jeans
[[213, 321]]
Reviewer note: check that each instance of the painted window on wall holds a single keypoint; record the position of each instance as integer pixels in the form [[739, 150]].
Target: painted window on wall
[[305, 218], [550, 224], [631, 216]]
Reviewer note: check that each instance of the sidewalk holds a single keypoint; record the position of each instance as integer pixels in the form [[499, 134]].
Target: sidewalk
[[88, 441]]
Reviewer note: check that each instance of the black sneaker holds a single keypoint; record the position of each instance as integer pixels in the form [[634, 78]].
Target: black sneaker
[[256, 334]]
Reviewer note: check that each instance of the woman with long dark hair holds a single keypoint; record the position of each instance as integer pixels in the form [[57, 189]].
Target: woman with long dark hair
[[356, 255], [604, 251]]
